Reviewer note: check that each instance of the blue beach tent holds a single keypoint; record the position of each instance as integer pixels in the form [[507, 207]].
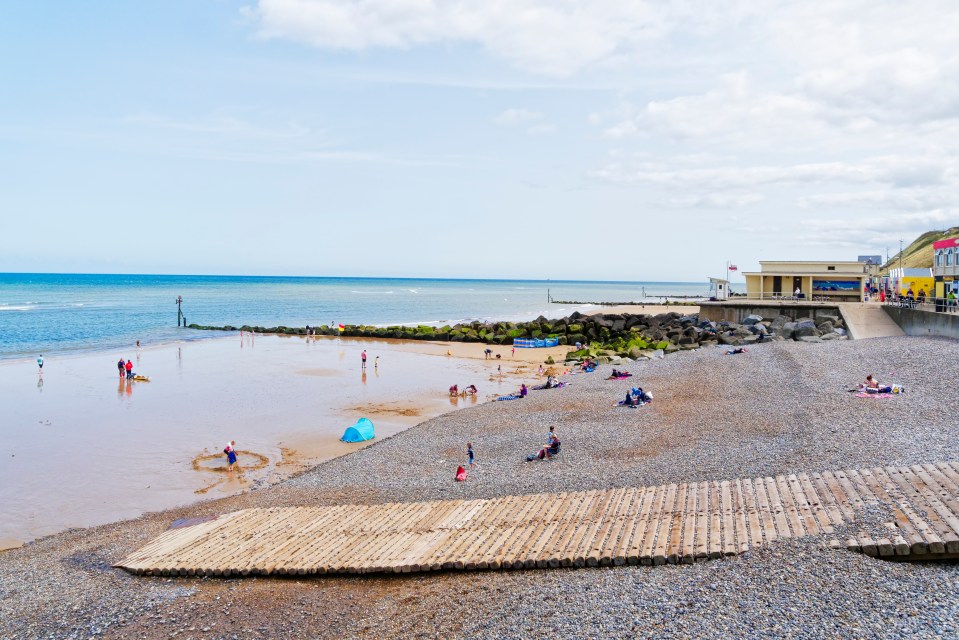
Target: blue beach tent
[[359, 432]]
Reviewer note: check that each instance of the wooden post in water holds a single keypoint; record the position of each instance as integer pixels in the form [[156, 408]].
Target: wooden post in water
[[179, 311]]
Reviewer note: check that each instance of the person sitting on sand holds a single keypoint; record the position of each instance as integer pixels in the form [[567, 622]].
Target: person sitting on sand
[[628, 401], [523, 391], [454, 390], [551, 448], [471, 390]]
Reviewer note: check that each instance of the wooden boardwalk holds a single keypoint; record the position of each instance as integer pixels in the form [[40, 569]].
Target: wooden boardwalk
[[676, 523]]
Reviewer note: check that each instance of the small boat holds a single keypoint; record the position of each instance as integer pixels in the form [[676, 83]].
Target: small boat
[[140, 378]]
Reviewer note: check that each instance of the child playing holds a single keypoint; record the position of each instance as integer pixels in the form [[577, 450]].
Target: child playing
[[469, 452]]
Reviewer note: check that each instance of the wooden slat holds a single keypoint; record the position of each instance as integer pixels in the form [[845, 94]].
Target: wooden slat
[[668, 523]]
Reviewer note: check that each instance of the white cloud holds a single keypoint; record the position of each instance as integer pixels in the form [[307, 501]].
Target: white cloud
[[552, 38], [716, 200], [514, 117]]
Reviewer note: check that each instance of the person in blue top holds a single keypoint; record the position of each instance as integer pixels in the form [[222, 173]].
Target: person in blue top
[[469, 453], [40, 363]]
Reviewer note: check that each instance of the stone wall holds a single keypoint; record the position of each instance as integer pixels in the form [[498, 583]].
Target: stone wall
[[916, 322], [737, 311]]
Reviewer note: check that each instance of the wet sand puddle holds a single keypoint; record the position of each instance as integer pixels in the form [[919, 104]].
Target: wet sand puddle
[[217, 463]]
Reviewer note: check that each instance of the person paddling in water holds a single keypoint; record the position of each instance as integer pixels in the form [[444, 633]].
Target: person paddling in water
[[230, 452]]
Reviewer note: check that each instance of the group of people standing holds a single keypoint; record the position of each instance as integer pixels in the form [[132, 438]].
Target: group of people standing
[[125, 367]]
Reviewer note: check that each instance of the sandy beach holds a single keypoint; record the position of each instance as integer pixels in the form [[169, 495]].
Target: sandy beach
[[781, 408], [84, 447]]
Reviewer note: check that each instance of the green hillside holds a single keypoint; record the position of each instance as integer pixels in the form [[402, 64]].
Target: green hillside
[[919, 254]]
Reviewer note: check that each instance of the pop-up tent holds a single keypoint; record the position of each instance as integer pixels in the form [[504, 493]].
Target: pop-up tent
[[359, 432]]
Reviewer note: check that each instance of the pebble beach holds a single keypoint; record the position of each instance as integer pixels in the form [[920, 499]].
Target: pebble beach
[[779, 408]]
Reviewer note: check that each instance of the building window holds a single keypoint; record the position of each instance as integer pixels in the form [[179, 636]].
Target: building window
[[830, 268], [948, 257], [938, 258]]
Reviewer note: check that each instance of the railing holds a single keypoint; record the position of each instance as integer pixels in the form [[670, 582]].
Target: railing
[[940, 305]]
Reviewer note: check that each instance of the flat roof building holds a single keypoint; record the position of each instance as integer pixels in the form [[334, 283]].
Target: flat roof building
[[829, 281]]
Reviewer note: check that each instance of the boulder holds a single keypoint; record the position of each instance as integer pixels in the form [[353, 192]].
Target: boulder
[[602, 359], [750, 339], [787, 330], [825, 327], [829, 336], [752, 319], [825, 317], [778, 322], [810, 339], [658, 354], [805, 328]]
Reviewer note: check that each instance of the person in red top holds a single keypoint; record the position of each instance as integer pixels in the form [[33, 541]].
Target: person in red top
[[129, 368]]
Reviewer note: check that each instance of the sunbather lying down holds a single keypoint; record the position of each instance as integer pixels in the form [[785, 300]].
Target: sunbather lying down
[[735, 350], [871, 385], [618, 375]]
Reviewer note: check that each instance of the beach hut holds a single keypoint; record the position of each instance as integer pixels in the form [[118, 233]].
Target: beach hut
[[359, 432]]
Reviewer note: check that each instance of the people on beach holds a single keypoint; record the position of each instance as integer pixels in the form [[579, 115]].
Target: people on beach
[[551, 448], [121, 367], [471, 390], [129, 368], [523, 391], [376, 362], [40, 364], [454, 390], [469, 453], [363, 358], [487, 353], [735, 350], [512, 352], [230, 451], [874, 386], [138, 346]]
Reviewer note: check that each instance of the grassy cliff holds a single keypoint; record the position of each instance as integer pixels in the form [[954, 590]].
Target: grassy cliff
[[919, 254]]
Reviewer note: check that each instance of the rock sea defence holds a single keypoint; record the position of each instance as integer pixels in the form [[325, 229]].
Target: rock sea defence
[[625, 335]]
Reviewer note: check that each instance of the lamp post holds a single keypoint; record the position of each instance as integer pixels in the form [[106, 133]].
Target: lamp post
[[901, 272]]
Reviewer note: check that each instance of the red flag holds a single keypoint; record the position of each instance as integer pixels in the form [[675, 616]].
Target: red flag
[[342, 328], [733, 267]]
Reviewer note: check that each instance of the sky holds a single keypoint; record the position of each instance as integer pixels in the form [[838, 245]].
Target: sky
[[472, 138]]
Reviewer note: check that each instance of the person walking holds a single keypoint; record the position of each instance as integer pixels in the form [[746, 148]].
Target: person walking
[[469, 453], [376, 362], [40, 364], [121, 367], [230, 451], [363, 358], [129, 368]]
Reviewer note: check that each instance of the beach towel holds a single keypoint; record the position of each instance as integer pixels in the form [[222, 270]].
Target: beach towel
[[509, 397], [460, 474], [620, 377], [874, 395]]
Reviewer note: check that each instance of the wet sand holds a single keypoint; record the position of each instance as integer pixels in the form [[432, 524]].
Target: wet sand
[[82, 447]]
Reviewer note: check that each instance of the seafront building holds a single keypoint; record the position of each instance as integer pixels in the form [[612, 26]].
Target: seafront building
[[916, 279], [842, 281], [945, 271]]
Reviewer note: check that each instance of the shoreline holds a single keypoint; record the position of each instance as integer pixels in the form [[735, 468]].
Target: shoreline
[[304, 427], [710, 421]]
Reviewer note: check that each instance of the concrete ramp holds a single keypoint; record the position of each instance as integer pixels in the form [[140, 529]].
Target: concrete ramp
[[868, 320]]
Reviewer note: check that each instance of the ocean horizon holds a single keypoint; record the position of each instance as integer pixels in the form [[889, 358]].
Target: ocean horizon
[[58, 314]]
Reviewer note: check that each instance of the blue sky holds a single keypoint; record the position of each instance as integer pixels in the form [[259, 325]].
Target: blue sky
[[523, 139]]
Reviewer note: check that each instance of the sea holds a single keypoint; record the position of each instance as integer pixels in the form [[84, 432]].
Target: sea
[[58, 314]]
